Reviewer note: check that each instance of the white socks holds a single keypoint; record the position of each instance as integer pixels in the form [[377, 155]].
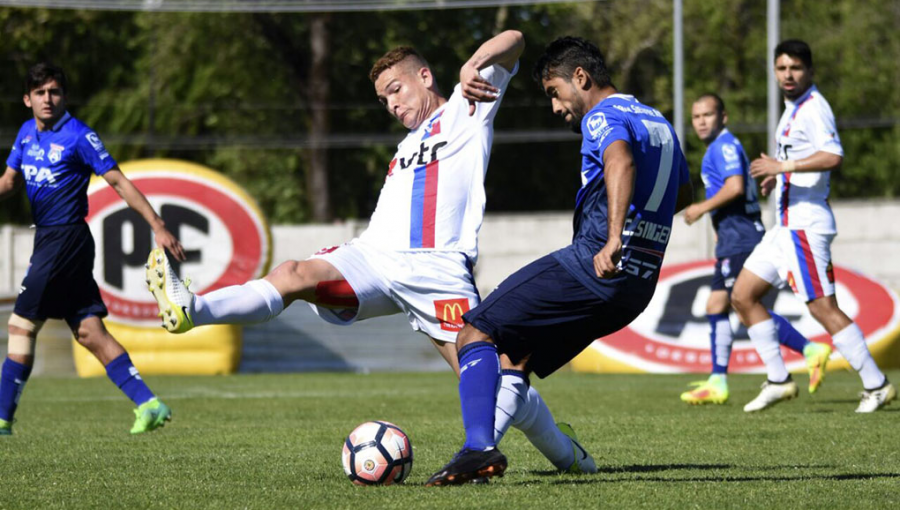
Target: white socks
[[851, 343], [765, 339], [250, 303], [521, 406]]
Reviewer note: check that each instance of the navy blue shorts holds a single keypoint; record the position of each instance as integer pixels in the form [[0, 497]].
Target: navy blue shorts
[[60, 282], [727, 271], [543, 312]]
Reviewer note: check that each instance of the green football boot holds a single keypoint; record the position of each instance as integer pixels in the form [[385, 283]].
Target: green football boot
[[5, 428], [150, 415], [583, 462], [816, 355], [173, 298], [711, 391]]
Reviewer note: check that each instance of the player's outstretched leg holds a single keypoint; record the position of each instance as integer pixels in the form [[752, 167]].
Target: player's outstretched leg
[[172, 296]]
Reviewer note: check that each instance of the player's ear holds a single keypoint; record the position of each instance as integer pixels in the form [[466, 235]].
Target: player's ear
[[582, 79], [426, 77], [27, 100]]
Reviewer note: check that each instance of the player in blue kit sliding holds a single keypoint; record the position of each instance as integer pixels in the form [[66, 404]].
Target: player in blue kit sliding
[[634, 179], [732, 203], [54, 155]]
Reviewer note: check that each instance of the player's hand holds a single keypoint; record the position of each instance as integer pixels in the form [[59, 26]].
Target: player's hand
[[765, 166], [692, 213], [767, 185], [475, 88], [607, 259], [165, 239]]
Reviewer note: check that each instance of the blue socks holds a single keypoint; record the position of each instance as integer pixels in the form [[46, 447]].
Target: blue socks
[[479, 379], [787, 335], [720, 340], [12, 382], [122, 372]]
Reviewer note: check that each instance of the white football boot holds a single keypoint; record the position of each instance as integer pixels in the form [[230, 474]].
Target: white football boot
[[771, 394], [172, 296], [873, 400]]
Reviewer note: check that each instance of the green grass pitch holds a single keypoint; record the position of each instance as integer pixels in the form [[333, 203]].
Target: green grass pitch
[[274, 441]]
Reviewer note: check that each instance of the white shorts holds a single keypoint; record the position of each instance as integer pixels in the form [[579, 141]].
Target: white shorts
[[432, 288], [800, 258]]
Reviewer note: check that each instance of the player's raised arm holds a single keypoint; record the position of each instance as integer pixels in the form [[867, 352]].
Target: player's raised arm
[[503, 49], [9, 182], [619, 175], [137, 201]]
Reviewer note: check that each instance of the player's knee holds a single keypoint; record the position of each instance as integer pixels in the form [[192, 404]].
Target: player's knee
[[470, 334], [292, 276], [22, 336], [741, 299]]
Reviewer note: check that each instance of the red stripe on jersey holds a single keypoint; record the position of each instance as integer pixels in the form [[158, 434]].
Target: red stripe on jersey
[[810, 264], [429, 207]]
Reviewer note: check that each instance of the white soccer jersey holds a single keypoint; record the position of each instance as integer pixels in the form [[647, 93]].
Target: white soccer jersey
[[433, 195], [806, 127]]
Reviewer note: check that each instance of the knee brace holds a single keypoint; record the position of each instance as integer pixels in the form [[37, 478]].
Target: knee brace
[[20, 344]]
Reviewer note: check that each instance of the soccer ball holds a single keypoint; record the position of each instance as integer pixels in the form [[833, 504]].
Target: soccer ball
[[377, 453]]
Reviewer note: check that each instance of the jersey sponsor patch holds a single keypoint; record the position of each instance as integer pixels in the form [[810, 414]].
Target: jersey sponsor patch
[[449, 312], [729, 152]]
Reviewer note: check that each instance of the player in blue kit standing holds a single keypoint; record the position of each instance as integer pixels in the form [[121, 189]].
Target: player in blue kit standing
[[732, 203], [55, 155], [634, 179]]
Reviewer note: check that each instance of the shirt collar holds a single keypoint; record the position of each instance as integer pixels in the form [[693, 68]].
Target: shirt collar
[[801, 99], [58, 125]]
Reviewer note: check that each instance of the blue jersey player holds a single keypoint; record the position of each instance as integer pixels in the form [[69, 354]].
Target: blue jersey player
[[634, 179], [732, 203], [54, 155]]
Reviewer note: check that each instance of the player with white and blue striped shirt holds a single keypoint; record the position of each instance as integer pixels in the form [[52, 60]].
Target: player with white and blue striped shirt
[[732, 203], [634, 179]]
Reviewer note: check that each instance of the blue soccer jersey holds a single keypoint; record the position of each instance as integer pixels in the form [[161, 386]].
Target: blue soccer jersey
[[57, 165], [738, 225], [660, 171]]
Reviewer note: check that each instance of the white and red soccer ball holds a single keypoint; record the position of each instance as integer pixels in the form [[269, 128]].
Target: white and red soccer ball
[[377, 453]]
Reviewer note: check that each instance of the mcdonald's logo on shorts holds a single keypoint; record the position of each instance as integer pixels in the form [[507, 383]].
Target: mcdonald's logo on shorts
[[449, 313]]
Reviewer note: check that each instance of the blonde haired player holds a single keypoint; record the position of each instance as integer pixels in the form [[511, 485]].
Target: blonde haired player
[[417, 254], [797, 251]]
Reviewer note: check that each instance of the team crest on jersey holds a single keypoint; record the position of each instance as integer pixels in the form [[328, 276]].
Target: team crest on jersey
[[55, 153], [25, 140], [596, 123]]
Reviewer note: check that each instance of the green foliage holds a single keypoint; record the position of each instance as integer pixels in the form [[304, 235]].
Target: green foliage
[[231, 90], [274, 441]]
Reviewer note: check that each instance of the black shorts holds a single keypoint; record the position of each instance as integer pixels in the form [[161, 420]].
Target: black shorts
[[543, 312], [727, 270], [60, 282]]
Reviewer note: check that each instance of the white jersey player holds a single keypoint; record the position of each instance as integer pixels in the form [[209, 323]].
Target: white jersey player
[[797, 250], [417, 255]]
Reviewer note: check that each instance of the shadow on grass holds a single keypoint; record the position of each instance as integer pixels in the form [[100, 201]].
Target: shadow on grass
[[637, 469]]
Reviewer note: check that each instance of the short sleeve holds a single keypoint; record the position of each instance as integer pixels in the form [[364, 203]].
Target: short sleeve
[[728, 160], [14, 160], [603, 128], [823, 133], [499, 77], [94, 154]]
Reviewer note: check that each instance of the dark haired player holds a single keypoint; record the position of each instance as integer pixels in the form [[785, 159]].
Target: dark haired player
[[54, 155], [634, 179], [797, 251], [732, 204]]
